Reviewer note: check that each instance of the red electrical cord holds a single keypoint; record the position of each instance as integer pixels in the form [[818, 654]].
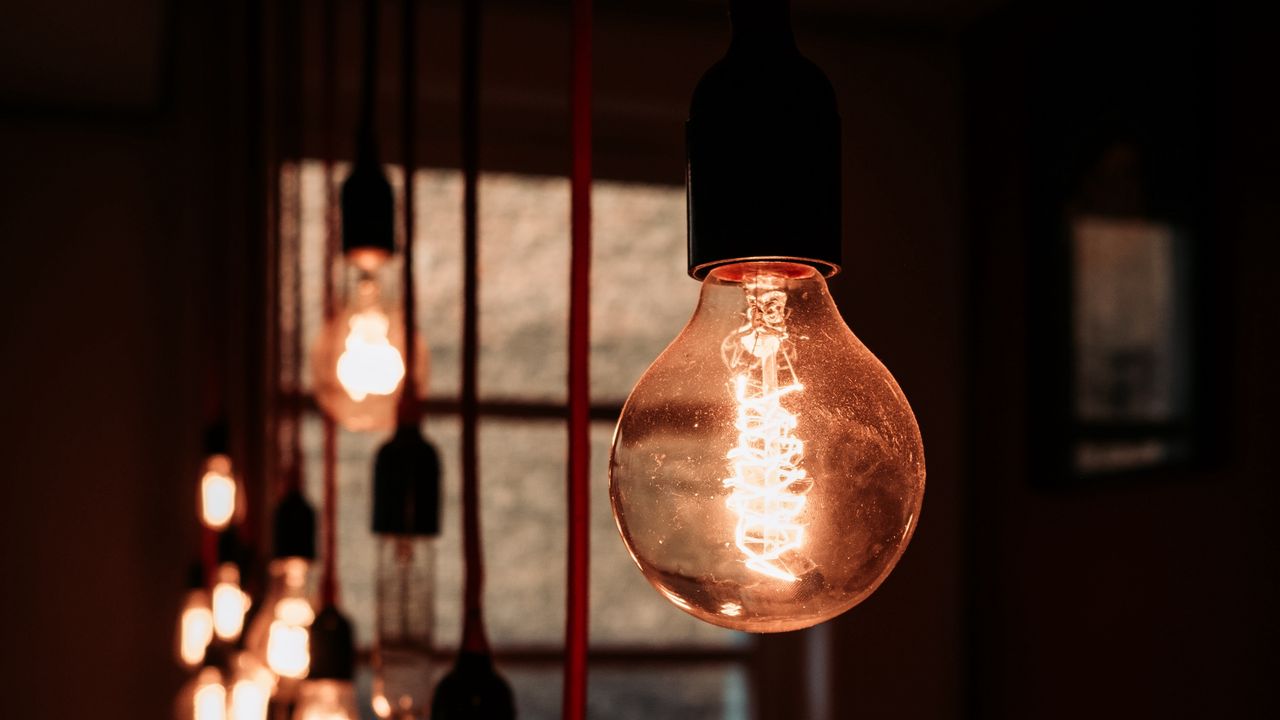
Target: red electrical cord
[[576, 626], [474, 638], [329, 582]]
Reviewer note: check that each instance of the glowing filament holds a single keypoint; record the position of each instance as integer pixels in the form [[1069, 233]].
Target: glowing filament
[[217, 493], [767, 485], [197, 632], [370, 365]]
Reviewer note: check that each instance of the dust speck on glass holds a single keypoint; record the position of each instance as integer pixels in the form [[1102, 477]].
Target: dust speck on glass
[[641, 298]]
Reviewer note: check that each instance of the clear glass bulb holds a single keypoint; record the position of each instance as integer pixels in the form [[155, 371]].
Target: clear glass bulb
[[195, 627], [403, 671], [326, 700], [229, 602], [217, 492], [766, 472], [280, 634], [358, 360]]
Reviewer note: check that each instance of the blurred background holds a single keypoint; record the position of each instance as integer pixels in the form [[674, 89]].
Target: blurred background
[[1060, 229]]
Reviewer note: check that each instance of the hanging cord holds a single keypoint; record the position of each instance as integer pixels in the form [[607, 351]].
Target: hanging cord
[[575, 677], [369, 81], [474, 638], [329, 582], [409, 413]]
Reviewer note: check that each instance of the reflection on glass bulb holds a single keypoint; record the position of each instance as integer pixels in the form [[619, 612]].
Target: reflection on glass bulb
[[217, 493], [230, 603], [767, 471], [326, 700], [195, 628]]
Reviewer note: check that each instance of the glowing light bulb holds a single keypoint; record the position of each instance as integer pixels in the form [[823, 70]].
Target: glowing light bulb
[[326, 700], [766, 472], [251, 689], [195, 628], [281, 636], [230, 603], [358, 360], [217, 492], [210, 697]]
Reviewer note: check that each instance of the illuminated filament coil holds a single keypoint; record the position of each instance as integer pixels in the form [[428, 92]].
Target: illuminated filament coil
[[767, 485]]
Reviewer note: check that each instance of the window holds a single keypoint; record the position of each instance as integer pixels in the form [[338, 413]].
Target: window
[[649, 659]]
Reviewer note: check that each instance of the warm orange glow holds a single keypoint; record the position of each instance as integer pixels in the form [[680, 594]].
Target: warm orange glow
[[766, 471], [210, 701], [370, 365], [195, 628], [288, 649], [326, 700], [217, 493], [230, 603], [767, 484]]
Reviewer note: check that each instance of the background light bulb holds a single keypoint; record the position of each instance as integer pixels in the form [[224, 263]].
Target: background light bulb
[[209, 701], [229, 603], [280, 634], [217, 492], [195, 628], [358, 359], [251, 689], [767, 471]]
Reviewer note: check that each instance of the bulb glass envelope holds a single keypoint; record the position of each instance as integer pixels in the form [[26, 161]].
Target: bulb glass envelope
[[766, 472]]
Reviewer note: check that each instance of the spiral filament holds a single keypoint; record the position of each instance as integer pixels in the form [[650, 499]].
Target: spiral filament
[[767, 485], [370, 365]]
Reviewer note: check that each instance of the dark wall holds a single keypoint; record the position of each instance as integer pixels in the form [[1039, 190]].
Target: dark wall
[[1128, 596]]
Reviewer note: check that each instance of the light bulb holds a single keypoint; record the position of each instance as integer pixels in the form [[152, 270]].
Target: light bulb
[[326, 700], [229, 602], [217, 492], [195, 627], [766, 472], [280, 633], [358, 360], [251, 689], [402, 663], [209, 700]]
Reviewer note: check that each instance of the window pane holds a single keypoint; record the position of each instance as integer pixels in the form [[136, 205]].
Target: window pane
[[641, 295], [523, 516], [688, 692]]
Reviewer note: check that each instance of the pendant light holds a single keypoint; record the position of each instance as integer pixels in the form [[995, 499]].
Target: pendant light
[[406, 495], [219, 491], [195, 620], [767, 471], [228, 600], [358, 362], [473, 689]]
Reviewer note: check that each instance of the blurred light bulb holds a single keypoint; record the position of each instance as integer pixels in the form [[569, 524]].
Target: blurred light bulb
[[767, 471], [281, 637], [229, 603], [402, 654], [217, 492], [210, 697], [251, 689], [326, 700], [195, 628], [358, 360]]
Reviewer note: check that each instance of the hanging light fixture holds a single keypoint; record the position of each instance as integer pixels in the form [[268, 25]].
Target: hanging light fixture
[[767, 471], [195, 621], [473, 688], [219, 491], [358, 362], [279, 633], [228, 601]]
